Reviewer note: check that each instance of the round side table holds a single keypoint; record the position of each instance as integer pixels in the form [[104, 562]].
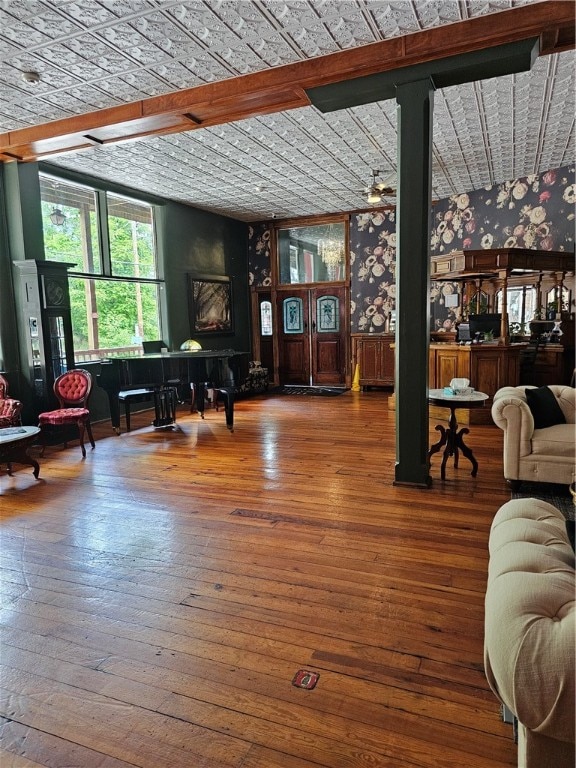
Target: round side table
[[14, 444], [452, 437]]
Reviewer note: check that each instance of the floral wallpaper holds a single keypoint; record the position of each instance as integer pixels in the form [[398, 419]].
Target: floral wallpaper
[[373, 277], [372, 270], [536, 212], [259, 254]]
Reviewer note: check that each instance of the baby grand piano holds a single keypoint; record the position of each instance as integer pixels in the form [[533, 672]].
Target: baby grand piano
[[222, 368]]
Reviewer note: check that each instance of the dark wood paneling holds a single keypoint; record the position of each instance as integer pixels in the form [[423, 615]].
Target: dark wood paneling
[[374, 355], [488, 367], [294, 361]]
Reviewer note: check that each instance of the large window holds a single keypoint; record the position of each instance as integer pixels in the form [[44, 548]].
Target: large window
[[114, 285]]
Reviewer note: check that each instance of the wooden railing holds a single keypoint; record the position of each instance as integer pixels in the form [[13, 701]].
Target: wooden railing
[[89, 355]]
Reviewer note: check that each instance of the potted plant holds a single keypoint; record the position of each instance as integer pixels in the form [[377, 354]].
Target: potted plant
[[489, 337]]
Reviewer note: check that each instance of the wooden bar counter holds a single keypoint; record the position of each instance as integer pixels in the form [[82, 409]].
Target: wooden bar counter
[[488, 366]]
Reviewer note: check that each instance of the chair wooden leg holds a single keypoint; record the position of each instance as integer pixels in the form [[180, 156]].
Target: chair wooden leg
[[90, 435], [81, 433]]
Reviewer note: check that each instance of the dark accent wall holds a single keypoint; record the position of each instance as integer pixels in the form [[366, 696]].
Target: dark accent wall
[[8, 338], [201, 243], [189, 241]]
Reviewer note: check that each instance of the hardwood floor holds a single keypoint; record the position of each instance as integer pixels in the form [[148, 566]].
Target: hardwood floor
[[160, 596]]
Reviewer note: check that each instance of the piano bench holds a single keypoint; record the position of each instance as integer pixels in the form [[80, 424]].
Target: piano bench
[[130, 396]]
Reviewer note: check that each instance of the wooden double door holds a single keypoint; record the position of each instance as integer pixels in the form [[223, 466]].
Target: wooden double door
[[312, 336]]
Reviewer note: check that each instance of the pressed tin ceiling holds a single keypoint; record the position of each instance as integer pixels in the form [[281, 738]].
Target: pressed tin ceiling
[[93, 54]]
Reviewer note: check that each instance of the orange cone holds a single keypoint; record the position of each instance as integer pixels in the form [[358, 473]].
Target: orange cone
[[356, 379]]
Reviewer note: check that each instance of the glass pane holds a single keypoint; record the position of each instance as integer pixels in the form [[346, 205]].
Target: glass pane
[[313, 254], [265, 318], [514, 301], [521, 307], [131, 234], [57, 345], [530, 305], [293, 315], [476, 305], [557, 300], [111, 318], [70, 224], [327, 315]]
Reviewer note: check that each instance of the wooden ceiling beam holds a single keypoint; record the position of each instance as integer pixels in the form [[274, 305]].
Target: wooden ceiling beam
[[282, 88]]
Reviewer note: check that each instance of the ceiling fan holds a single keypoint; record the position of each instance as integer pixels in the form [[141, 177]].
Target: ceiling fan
[[378, 189]]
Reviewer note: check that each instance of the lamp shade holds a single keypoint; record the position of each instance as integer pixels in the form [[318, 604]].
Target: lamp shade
[[57, 217], [190, 346]]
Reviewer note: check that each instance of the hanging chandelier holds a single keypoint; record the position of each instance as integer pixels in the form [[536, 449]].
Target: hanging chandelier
[[331, 252]]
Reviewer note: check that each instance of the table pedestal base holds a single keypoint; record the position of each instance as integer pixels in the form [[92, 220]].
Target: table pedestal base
[[452, 438], [16, 453]]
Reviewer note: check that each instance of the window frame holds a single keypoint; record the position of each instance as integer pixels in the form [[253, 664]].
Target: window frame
[[104, 256]]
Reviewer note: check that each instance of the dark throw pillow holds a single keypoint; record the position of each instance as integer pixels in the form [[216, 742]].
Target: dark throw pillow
[[544, 407]]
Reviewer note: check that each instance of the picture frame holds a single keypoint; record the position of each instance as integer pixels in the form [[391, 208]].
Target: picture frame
[[210, 305]]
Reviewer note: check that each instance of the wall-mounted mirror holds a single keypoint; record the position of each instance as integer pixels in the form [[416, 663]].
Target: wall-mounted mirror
[[312, 254]]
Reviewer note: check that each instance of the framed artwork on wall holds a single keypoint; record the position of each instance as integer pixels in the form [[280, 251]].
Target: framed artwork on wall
[[210, 304]]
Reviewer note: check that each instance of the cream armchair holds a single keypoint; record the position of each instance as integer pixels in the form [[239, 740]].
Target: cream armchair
[[530, 618], [539, 455]]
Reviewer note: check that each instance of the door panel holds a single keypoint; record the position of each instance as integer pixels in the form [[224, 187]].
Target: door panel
[[293, 337], [312, 336], [328, 344]]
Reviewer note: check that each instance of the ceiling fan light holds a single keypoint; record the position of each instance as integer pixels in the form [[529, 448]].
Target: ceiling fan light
[[57, 217], [374, 196]]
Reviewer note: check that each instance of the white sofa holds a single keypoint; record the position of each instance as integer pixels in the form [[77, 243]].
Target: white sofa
[[530, 619], [539, 455]]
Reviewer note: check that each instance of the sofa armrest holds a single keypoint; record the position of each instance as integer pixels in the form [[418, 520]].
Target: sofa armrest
[[529, 622], [510, 412]]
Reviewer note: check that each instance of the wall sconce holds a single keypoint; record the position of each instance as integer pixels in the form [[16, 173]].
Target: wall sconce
[[57, 217]]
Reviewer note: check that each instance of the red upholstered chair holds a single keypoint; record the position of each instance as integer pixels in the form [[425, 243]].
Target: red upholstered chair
[[73, 390], [9, 407]]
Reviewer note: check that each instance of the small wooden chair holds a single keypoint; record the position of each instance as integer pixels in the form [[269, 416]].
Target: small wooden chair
[[73, 390]]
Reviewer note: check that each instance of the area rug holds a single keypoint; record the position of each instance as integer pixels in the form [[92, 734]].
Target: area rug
[[557, 495], [293, 390]]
